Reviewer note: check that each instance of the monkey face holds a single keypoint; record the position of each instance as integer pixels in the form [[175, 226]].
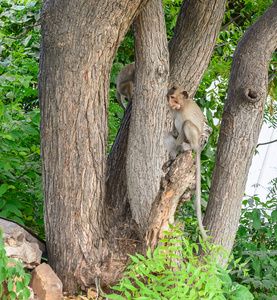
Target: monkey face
[[173, 102]]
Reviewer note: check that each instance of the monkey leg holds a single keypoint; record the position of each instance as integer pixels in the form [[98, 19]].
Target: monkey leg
[[119, 99], [177, 145], [126, 89], [192, 134], [169, 141]]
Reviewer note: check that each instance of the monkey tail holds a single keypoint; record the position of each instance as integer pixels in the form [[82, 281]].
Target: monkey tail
[[198, 194]]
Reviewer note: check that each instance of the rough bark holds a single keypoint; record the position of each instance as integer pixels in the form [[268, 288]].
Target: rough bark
[[240, 128], [192, 44], [79, 42], [146, 152]]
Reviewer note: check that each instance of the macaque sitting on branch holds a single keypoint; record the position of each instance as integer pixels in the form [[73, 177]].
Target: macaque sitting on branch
[[188, 123], [125, 83]]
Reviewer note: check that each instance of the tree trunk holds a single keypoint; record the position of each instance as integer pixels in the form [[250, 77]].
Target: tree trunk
[[192, 44], [240, 128], [146, 152], [79, 42]]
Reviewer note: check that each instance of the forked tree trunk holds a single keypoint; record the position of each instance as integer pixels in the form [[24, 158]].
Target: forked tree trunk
[[240, 128], [190, 49], [145, 157]]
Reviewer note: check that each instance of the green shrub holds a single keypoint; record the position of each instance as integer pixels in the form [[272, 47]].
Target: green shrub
[[20, 168], [9, 277], [256, 245], [175, 270]]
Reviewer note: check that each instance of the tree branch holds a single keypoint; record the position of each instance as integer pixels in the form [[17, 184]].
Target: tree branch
[[267, 143], [226, 25]]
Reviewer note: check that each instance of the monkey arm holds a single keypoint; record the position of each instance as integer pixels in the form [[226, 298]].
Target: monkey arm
[[177, 145]]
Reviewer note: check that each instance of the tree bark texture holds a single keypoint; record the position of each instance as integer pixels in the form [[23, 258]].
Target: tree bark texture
[[146, 151], [240, 128], [158, 219], [192, 44], [78, 45]]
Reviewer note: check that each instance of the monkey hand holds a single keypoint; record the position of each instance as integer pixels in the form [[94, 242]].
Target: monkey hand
[[180, 149], [173, 154], [166, 165]]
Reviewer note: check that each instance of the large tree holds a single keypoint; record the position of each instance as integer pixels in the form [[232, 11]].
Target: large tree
[[98, 209]]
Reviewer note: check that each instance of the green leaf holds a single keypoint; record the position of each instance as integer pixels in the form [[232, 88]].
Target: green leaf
[[2, 203], [3, 188], [209, 115], [7, 136], [10, 285], [141, 257], [11, 271], [241, 292], [3, 272], [12, 295], [26, 294], [256, 218], [22, 153], [29, 130], [7, 166], [148, 254], [19, 286], [134, 259], [225, 277], [12, 208], [274, 215]]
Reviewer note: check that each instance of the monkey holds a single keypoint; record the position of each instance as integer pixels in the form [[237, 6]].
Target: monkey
[[125, 83], [188, 123]]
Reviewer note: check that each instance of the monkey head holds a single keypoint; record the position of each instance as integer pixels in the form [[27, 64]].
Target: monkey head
[[176, 97]]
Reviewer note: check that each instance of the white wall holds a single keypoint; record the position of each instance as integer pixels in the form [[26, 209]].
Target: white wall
[[264, 164]]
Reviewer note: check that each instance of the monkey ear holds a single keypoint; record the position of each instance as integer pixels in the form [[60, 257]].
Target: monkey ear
[[185, 93]]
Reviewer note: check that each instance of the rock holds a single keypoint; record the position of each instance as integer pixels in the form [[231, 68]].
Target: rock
[[20, 244], [45, 283]]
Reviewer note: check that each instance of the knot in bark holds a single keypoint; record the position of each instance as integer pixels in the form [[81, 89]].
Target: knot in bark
[[162, 71], [251, 95]]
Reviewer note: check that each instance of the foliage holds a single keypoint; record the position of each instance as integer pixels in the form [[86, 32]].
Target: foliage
[[10, 275], [171, 10], [256, 244], [19, 49], [20, 175], [175, 271]]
